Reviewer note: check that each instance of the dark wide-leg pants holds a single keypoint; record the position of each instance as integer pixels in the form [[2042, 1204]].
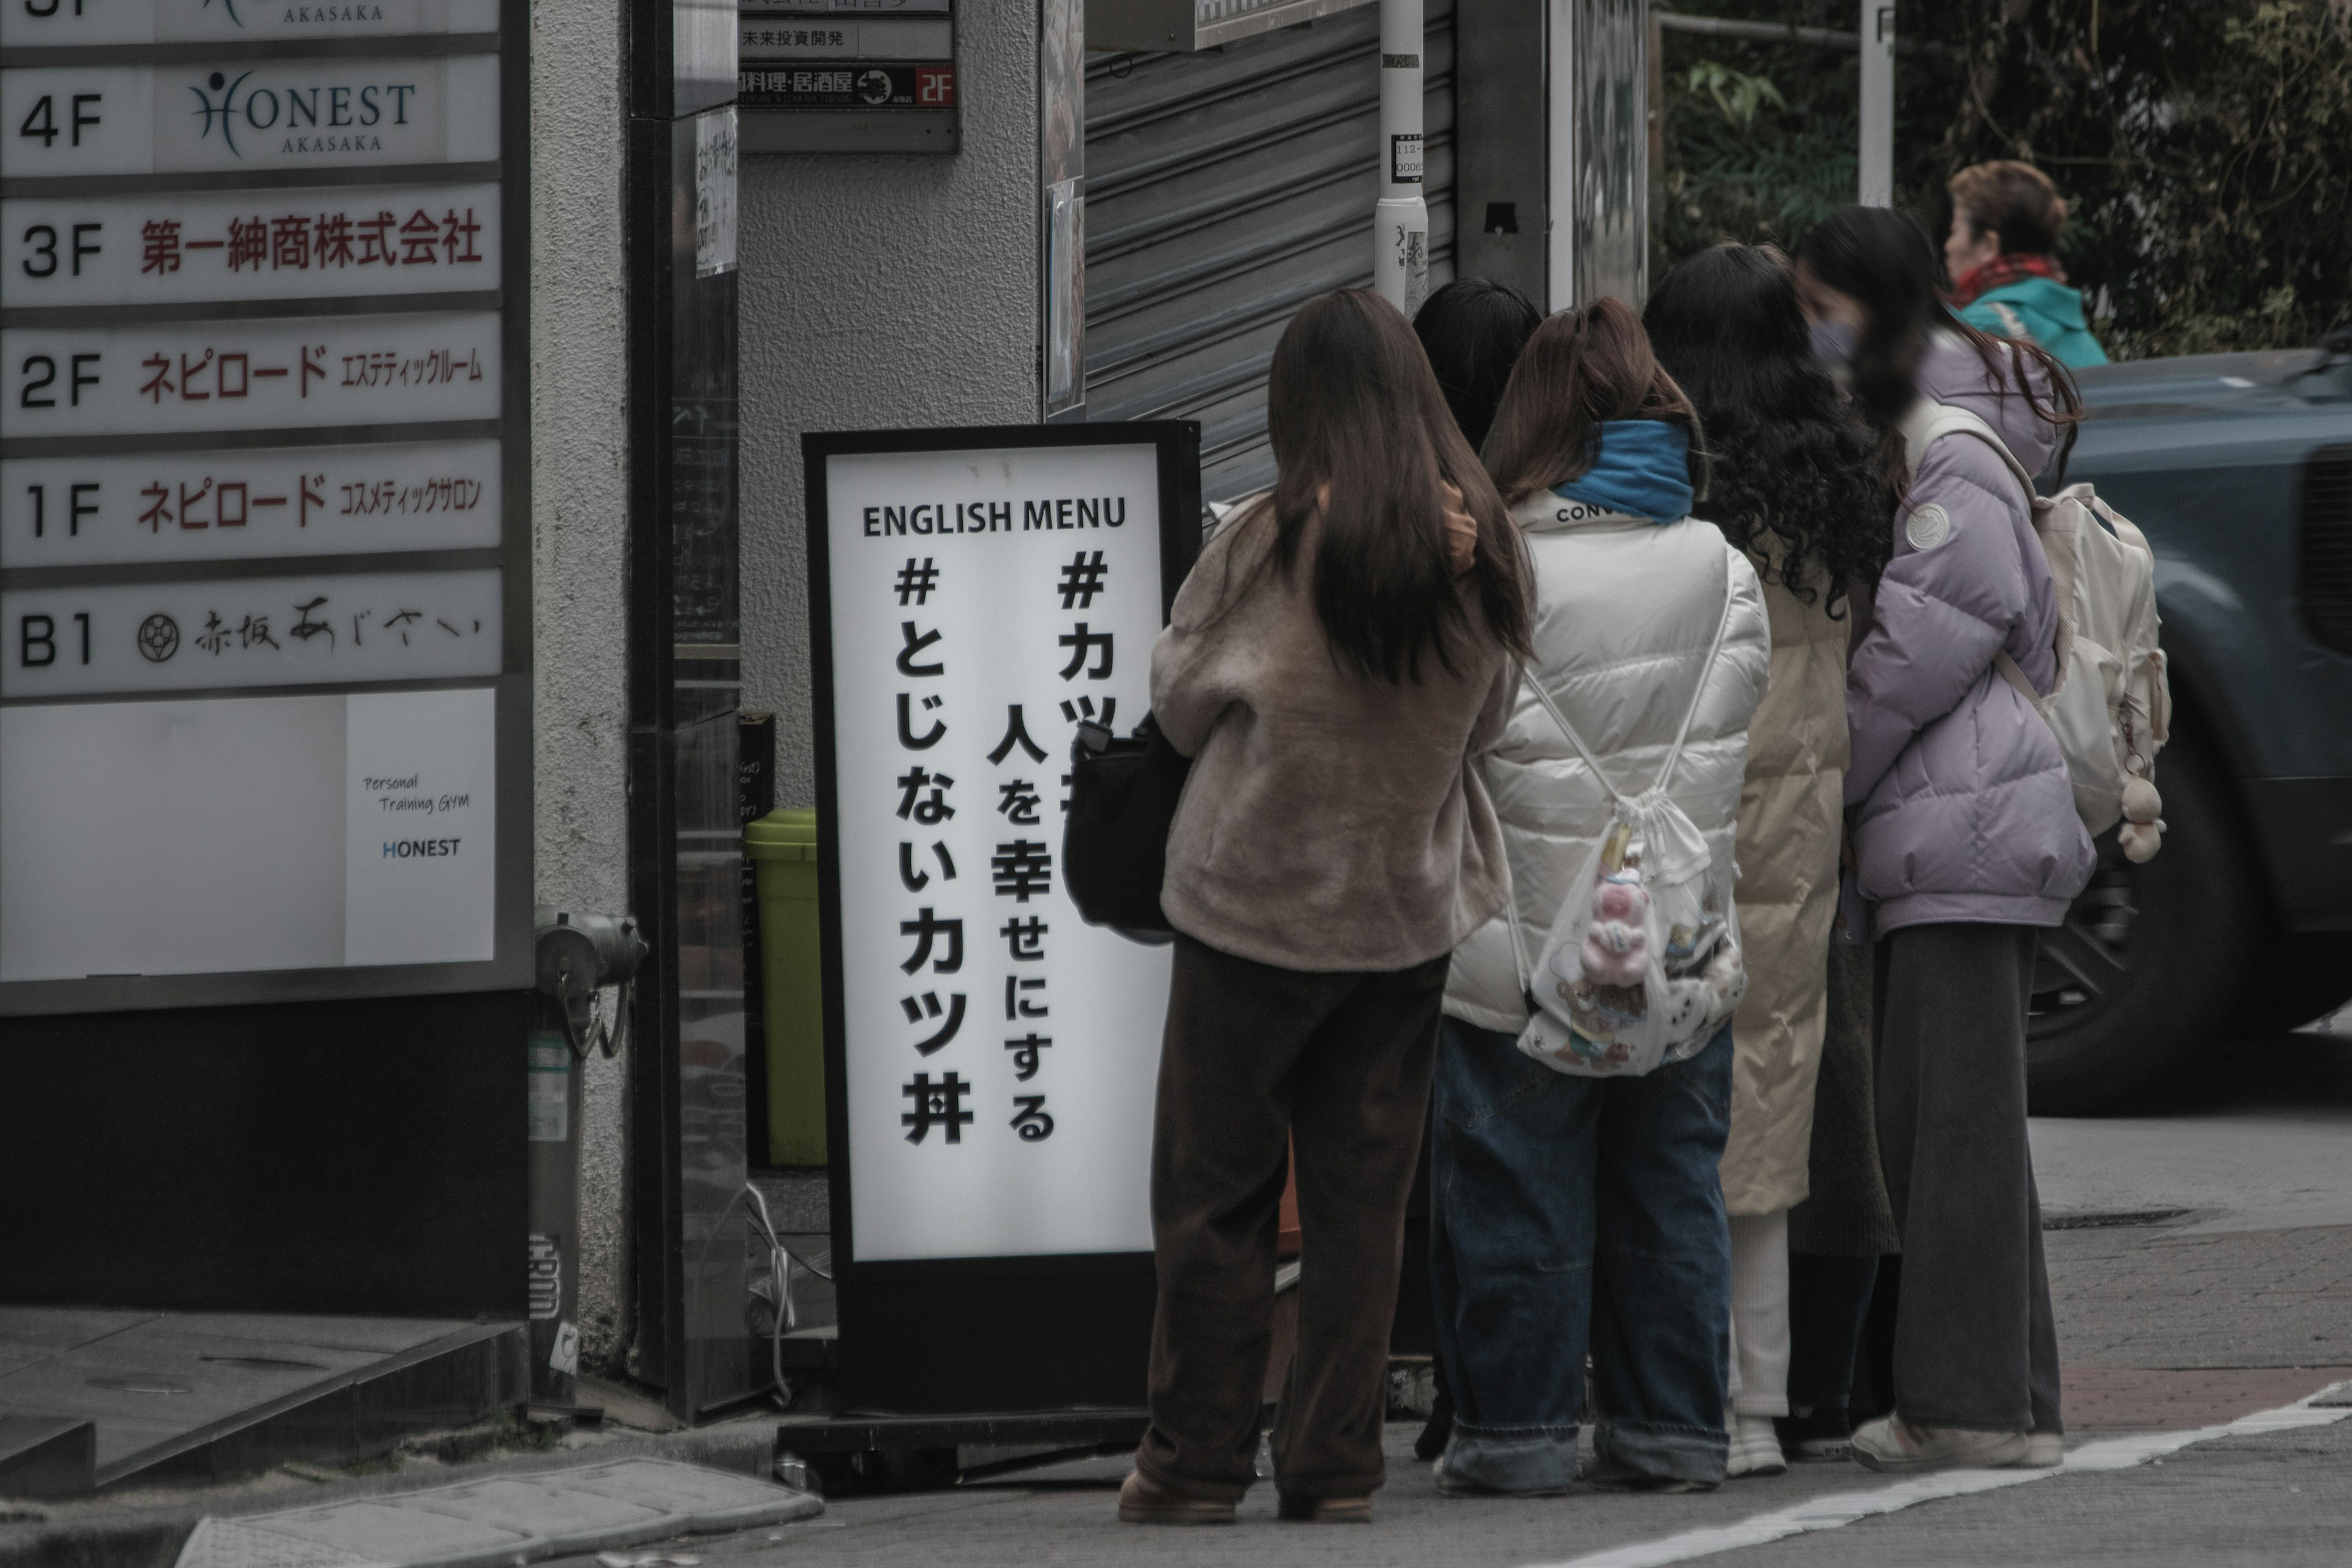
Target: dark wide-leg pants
[[1975, 1344], [1257, 1059]]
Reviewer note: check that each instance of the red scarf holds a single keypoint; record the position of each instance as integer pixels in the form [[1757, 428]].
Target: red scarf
[[2008, 267]]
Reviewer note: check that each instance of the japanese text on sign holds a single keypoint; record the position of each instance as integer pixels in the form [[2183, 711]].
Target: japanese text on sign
[[241, 504], [232, 375], [245, 631], [1000, 1051], [172, 248]]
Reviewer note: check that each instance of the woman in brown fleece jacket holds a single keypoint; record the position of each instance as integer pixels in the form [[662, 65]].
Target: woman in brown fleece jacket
[[1344, 648]]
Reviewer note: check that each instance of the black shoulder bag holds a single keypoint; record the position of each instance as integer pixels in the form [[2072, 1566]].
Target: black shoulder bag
[[1123, 796]]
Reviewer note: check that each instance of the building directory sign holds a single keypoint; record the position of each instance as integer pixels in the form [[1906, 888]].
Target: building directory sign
[[264, 525], [978, 594]]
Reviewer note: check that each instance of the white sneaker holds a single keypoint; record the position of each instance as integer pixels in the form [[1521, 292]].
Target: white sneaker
[[1894, 1445], [2043, 1451], [1754, 1447]]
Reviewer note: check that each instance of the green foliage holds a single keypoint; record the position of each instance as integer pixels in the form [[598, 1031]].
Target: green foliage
[[2205, 147], [1759, 143], [1738, 96]]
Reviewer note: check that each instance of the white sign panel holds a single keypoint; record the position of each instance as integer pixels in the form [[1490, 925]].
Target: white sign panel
[[40, 25], [231, 504], [265, 374], [714, 192], [188, 837], [1002, 1053], [420, 806], [199, 636], [171, 248], [267, 115]]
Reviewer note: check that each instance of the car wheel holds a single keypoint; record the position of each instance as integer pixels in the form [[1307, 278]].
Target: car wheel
[[2295, 979], [2151, 960]]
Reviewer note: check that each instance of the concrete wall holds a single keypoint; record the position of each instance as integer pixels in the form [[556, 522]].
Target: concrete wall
[[880, 289], [876, 289], [579, 551]]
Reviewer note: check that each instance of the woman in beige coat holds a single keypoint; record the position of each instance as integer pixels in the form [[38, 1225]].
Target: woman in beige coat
[[1343, 653], [1794, 483]]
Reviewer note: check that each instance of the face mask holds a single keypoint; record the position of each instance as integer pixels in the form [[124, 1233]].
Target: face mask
[[1833, 343]]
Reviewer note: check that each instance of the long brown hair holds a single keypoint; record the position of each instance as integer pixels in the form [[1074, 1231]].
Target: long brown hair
[[1363, 438], [1583, 367]]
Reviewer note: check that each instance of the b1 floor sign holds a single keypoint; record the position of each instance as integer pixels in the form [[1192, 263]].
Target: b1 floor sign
[[978, 599]]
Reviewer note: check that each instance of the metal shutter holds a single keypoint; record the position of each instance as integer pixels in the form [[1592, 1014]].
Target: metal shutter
[[1223, 189]]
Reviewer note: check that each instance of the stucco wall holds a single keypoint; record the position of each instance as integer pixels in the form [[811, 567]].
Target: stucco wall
[[579, 547], [879, 290]]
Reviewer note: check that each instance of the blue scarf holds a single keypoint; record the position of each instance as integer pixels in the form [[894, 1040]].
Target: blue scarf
[[1642, 470]]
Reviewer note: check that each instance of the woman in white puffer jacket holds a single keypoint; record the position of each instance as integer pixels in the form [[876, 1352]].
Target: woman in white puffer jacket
[[1569, 1212]]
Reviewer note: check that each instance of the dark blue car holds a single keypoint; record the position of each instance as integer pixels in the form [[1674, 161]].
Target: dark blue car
[[2238, 470]]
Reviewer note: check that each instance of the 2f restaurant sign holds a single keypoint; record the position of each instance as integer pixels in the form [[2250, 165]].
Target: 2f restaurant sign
[[999, 1055]]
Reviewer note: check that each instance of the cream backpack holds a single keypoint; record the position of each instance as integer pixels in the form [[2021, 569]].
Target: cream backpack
[[2112, 709]]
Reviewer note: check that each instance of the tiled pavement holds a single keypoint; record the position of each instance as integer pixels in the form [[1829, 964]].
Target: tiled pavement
[[2159, 1297]]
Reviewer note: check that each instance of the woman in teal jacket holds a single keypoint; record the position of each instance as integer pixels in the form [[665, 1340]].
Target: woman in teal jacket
[[2006, 281]]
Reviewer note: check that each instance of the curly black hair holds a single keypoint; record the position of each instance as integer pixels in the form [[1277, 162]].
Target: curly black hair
[[1788, 456]]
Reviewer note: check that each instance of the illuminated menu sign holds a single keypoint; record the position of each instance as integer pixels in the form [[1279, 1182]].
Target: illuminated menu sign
[[264, 605]]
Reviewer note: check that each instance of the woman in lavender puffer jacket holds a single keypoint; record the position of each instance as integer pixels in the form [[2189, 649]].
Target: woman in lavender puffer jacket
[[1964, 837]]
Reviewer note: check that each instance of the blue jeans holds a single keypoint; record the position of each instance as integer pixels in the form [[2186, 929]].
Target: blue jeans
[[1569, 1214]]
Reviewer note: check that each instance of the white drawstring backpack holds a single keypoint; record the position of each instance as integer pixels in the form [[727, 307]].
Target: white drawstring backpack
[[1642, 964]]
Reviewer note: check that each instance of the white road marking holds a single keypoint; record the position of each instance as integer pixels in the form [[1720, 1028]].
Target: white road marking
[[1840, 1508]]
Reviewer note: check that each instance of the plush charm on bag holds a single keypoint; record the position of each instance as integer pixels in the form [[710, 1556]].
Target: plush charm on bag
[[2141, 834], [1616, 949], [1634, 975]]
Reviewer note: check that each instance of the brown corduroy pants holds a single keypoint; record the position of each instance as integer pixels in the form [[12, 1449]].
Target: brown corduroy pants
[[1256, 1057]]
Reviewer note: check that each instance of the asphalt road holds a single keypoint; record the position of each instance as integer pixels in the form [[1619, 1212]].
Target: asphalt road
[[2202, 1268], [2255, 1142]]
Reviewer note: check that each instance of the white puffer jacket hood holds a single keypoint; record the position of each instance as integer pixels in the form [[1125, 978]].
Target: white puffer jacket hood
[[1625, 611]]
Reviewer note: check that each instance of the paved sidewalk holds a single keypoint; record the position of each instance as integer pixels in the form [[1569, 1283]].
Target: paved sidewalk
[[1069, 1515], [2166, 1297], [2282, 1500], [2277, 1498], [2147, 1399]]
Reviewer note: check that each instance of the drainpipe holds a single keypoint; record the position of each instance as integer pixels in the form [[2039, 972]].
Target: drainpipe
[[1877, 158], [1400, 219]]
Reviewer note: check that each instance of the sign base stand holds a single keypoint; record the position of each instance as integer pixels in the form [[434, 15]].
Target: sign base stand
[[853, 1453]]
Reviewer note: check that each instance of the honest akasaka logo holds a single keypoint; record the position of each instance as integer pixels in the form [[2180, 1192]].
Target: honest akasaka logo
[[321, 117], [222, 112], [229, 6]]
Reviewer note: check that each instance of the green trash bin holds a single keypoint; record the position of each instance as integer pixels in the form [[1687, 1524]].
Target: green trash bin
[[782, 844]]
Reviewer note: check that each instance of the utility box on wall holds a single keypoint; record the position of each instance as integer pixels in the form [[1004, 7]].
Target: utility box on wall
[[847, 75]]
